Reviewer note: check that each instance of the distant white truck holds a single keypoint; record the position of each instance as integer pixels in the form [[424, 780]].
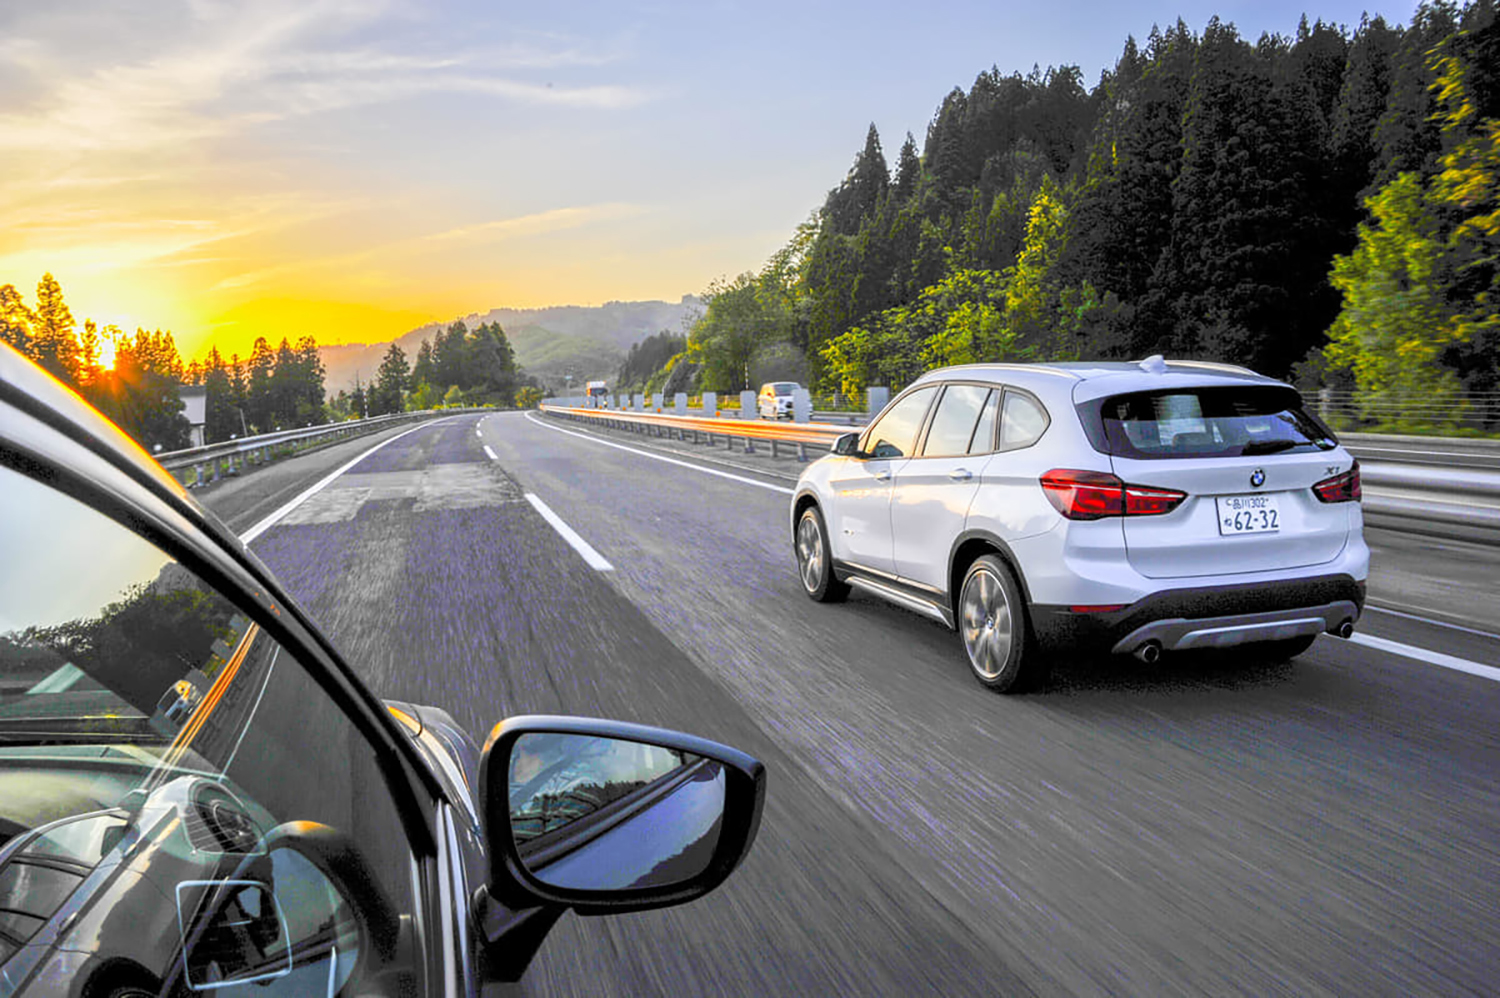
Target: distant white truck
[[597, 393]]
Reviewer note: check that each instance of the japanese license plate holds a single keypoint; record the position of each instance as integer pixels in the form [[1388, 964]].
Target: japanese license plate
[[1252, 514]]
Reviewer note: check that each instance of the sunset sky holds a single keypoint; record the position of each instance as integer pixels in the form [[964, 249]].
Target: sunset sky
[[352, 169]]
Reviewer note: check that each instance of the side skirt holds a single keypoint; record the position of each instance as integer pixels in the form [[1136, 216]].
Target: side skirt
[[928, 604]]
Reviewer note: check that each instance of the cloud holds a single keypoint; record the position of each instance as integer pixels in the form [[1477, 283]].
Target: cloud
[[540, 223], [234, 67]]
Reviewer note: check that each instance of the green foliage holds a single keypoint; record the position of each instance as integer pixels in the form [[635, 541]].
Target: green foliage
[[959, 320], [387, 395], [646, 359], [528, 397]]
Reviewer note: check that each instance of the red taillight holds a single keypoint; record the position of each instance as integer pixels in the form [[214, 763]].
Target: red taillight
[[1340, 488], [1093, 495]]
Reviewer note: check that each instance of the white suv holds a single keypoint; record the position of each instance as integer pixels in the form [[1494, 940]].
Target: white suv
[[1127, 507], [775, 399]]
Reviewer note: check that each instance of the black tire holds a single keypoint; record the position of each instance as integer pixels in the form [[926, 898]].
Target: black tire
[[815, 560], [993, 630]]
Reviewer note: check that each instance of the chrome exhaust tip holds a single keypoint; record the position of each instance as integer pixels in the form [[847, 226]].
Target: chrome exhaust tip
[[1346, 629], [1149, 652]]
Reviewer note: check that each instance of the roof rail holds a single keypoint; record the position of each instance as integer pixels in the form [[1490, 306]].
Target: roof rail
[[1213, 365], [1034, 368]]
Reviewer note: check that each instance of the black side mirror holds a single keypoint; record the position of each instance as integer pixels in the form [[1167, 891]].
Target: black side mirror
[[847, 445], [605, 817]]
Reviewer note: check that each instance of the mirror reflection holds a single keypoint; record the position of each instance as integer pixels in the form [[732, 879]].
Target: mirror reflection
[[595, 813]]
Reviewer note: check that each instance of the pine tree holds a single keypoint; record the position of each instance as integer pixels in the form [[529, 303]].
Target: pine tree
[[16, 321], [387, 395], [53, 339], [862, 191], [260, 401], [908, 172]]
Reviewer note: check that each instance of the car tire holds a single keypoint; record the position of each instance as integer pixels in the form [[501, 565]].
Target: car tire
[[992, 627], [815, 559]]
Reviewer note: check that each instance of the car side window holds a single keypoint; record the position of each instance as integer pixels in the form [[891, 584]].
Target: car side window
[[958, 413], [983, 440], [1023, 422], [895, 432], [145, 718]]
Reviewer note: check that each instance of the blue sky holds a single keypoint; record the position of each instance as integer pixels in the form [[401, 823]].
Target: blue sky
[[352, 169]]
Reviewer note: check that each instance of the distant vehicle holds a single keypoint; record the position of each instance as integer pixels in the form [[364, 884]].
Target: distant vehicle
[[1129, 508], [597, 393], [197, 792], [775, 399]]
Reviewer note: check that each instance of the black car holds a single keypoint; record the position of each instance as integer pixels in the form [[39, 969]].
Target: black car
[[197, 792]]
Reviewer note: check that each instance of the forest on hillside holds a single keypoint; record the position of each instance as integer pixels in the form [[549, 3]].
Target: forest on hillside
[[1323, 207]]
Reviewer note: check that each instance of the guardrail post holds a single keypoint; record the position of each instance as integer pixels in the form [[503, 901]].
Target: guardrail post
[[710, 404], [679, 403], [197, 474], [875, 399], [801, 405], [801, 451], [640, 402]]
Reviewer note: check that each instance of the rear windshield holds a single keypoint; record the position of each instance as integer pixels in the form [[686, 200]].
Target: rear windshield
[[785, 387], [1229, 421]]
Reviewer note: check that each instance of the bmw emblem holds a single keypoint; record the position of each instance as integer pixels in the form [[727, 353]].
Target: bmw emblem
[[1258, 477]]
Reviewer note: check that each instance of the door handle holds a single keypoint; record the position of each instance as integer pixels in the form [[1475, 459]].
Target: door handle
[[960, 474], [883, 475]]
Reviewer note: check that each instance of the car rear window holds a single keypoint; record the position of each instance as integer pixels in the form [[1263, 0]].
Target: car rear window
[[1228, 421]]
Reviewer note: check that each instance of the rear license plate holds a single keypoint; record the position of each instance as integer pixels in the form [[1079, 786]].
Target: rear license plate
[[1252, 514]]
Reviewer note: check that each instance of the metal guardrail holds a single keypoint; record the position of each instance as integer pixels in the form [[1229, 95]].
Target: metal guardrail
[[1460, 504], [207, 461], [796, 436]]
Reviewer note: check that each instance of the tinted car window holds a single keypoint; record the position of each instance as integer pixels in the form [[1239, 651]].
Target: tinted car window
[[144, 714], [895, 432], [1228, 421], [954, 421], [1023, 422]]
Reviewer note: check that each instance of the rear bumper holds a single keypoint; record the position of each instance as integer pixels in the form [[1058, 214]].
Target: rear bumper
[[1207, 617]]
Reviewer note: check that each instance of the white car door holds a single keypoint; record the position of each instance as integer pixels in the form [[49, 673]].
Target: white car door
[[933, 491], [860, 523]]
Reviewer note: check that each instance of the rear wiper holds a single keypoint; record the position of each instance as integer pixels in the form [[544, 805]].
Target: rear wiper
[[1269, 446]]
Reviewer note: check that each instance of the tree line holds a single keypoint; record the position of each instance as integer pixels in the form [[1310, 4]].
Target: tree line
[[457, 366], [1323, 207], [137, 388]]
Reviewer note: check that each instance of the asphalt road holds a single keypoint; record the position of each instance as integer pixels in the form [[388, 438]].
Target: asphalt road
[[1201, 826]]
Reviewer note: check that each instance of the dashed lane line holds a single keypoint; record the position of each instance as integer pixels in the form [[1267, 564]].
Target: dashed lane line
[[594, 559], [490, 453], [1381, 644], [1430, 657]]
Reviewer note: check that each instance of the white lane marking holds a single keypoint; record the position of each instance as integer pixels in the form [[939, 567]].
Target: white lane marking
[[669, 460], [477, 433], [1434, 623], [490, 453], [270, 521], [595, 560], [1430, 657]]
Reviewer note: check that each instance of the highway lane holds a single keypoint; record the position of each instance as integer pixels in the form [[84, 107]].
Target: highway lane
[[441, 585], [1198, 827], [1202, 826]]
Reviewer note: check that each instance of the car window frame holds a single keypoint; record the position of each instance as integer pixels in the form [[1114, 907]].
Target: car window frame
[[931, 417], [103, 486], [921, 435], [1002, 448]]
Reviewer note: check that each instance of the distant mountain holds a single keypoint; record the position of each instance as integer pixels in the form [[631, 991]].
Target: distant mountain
[[550, 343]]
